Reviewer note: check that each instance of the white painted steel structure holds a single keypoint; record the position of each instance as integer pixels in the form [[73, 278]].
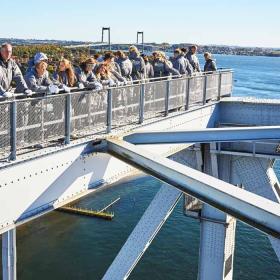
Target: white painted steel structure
[[63, 169]]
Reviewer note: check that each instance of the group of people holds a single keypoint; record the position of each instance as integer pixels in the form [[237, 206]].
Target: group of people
[[111, 69]]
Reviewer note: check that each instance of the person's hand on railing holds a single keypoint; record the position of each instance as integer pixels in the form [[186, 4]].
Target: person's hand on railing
[[53, 89], [66, 89], [81, 86], [98, 86], [112, 83], [119, 83], [8, 94], [28, 92]]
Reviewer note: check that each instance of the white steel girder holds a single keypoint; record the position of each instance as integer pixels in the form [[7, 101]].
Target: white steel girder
[[252, 209], [226, 134], [139, 240], [257, 176], [217, 234]]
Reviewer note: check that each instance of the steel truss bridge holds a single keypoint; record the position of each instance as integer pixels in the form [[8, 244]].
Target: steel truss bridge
[[215, 150]]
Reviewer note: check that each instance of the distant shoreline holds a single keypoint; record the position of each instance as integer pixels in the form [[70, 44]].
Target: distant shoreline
[[214, 49]]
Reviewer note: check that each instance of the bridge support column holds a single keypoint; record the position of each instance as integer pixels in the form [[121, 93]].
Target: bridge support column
[[257, 176], [217, 237], [9, 255]]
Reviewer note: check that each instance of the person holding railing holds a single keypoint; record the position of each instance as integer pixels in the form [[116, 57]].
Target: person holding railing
[[86, 77], [65, 73], [9, 71], [38, 79], [138, 64], [162, 66], [104, 76], [181, 64], [210, 64], [114, 69], [193, 59], [125, 65]]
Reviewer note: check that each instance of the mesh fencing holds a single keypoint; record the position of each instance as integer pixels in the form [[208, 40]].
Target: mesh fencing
[[154, 100], [125, 105], [5, 147], [88, 112], [177, 93], [40, 120], [196, 90], [212, 89], [29, 122], [226, 83], [54, 117]]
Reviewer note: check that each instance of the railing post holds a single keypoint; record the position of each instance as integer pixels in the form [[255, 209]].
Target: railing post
[[142, 99], [220, 86], [67, 119], [109, 111], [167, 97], [187, 93], [205, 90], [9, 255], [13, 133]]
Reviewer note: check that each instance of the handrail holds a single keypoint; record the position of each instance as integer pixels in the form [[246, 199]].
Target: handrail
[[53, 117], [130, 83]]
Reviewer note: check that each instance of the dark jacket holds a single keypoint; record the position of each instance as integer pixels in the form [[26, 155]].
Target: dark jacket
[[164, 68], [210, 65], [181, 64]]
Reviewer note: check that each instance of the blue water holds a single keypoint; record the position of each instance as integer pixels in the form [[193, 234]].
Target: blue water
[[63, 246]]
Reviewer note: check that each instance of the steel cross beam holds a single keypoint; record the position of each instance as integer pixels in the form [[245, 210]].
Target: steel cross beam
[[250, 208], [205, 135]]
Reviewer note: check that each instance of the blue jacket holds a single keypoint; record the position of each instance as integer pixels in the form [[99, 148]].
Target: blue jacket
[[89, 80], [125, 66], [181, 64], [164, 68], [36, 83]]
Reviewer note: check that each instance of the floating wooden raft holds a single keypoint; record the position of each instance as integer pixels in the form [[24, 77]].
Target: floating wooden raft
[[89, 212]]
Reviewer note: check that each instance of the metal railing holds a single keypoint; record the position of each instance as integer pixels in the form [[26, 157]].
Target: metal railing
[[39, 120]]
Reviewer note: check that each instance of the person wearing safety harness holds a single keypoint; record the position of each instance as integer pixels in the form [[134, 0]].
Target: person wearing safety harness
[[181, 64], [138, 64], [114, 69], [9, 71], [65, 73], [210, 64], [162, 66], [38, 78], [86, 77], [125, 65], [193, 59]]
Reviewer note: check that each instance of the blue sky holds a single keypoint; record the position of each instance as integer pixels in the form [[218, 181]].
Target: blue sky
[[235, 22]]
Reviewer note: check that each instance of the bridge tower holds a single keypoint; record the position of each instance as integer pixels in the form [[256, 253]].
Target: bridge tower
[[108, 29], [142, 39]]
